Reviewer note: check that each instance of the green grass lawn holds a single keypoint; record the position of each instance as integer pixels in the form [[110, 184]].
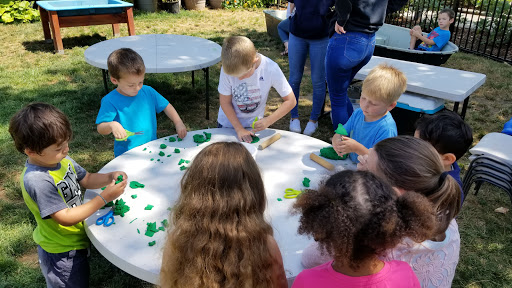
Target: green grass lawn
[[30, 71]]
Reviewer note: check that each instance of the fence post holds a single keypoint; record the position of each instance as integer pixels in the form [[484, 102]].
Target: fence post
[[456, 10]]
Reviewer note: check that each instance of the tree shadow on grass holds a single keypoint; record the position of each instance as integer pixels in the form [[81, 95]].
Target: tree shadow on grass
[[67, 42]]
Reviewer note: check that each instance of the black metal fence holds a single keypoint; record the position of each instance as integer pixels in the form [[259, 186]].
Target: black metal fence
[[482, 27]]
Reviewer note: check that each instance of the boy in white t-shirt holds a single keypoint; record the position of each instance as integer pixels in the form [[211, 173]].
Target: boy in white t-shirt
[[245, 80]]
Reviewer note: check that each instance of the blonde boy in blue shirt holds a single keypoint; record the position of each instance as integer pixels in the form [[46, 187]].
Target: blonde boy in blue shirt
[[372, 122]]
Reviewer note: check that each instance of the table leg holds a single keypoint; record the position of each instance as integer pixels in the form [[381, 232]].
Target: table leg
[[131, 26], [464, 108], [115, 30], [55, 26], [46, 25], [105, 76], [456, 107], [207, 91]]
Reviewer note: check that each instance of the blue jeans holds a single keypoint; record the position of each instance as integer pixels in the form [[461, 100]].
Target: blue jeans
[[346, 55], [283, 29], [298, 49]]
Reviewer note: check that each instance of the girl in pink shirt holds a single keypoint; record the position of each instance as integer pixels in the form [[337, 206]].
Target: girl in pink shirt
[[356, 217]]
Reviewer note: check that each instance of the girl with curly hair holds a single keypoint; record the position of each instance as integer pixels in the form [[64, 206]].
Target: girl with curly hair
[[356, 217], [412, 164], [219, 237]]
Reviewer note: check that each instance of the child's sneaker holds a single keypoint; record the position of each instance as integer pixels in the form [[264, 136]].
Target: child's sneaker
[[295, 126], [310, 128]]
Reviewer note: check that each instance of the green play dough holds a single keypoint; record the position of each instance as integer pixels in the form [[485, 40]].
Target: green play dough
[[255, 139], [306, 181], [135, 185], [341, 130], [163, 146], [172, 139], [329, 153], [161, 154]]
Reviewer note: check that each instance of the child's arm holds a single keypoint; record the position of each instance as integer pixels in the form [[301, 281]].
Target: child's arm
[[175, 118], [419, 35], [278, 274], [227, 106], [343, 145], [287, 106], [113, 127], [72, 216]]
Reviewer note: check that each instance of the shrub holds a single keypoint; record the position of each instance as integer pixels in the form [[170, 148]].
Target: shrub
[[16, 12]]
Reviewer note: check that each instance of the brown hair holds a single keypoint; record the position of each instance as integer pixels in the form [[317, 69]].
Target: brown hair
[[384, 83], [38, 126], [238, 54], [448, 11], [219, 236], [355, 216], [414, 165], [125, 61]]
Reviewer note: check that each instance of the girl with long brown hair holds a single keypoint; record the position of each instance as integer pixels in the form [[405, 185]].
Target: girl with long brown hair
[[219, 236]]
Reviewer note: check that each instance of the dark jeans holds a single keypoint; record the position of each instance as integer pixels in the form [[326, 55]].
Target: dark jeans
[[68, 269], [346, 55]]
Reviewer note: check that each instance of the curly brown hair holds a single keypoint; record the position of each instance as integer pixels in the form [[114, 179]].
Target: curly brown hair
[[355, 216], [219, 236], [413, 164]]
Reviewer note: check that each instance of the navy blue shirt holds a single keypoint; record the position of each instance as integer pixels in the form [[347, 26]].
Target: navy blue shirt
[[365, 16], [309, 20]]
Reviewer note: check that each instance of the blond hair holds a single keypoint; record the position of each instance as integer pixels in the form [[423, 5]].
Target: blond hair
[[219, 237], [238, 54], [384, 83]]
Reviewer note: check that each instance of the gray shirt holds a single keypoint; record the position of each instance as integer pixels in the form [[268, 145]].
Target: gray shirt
[[41, 187]]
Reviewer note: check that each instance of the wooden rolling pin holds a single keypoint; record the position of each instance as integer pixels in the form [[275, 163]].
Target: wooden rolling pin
[[269, 141], [321, 161]]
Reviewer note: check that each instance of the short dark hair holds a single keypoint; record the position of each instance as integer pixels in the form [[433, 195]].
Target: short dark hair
[[38, 126], [447, 132], [125, 61], [448, 11]]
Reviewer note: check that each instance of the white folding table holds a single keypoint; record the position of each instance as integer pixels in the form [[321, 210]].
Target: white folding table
[[162, 53], [433, 81], [283, 165]]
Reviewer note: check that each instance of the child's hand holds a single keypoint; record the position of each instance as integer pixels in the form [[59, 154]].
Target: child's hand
[[244, 135], [363, 162], [116, 174], [261, 124], [182, 130], [336, 141], [113, 190], [416, 33], [118, 130], [345, 145]]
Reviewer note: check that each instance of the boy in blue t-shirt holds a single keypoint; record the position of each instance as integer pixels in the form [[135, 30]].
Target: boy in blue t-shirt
[[437, 38], [372, 122], [50, 185], [132, 106], [451, 137]]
